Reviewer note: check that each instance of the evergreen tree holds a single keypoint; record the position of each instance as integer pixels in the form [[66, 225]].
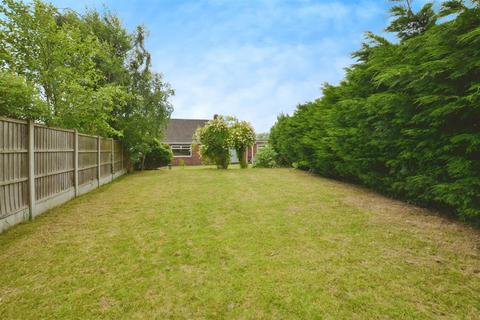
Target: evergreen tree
[[406, 119]]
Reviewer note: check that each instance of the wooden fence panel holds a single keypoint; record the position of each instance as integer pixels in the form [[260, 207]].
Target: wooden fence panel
[[54, 161], [42, 167], [105, 157], [13, 167], [87, 159], [117, 156]]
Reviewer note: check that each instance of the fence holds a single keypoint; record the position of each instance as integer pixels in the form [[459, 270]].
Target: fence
[[42, 167]]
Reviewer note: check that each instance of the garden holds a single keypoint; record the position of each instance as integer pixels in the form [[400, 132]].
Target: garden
[[256, 243], [363, 203]]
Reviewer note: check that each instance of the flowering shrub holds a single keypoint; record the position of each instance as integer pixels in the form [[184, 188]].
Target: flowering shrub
[[213, 139], [241, 137], [219, 135]]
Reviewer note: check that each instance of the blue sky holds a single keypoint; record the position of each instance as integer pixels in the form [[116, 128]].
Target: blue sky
[[250, 59]]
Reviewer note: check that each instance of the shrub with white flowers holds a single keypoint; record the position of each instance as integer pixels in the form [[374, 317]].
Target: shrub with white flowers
[[213, 139], [219, 135], [242, 136]]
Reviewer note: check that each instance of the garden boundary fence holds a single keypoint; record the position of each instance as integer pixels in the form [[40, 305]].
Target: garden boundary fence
[[42, 167]]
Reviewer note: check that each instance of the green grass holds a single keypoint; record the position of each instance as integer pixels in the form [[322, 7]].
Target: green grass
[[244, 244]]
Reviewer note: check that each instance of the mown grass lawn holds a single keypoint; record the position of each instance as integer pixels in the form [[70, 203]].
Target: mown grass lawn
[[243, 244]]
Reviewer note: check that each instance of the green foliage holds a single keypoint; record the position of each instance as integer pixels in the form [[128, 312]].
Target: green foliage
[[242, 136], [85, 72], [408, 24], [213, 139], [18, 99], [265, 158], [405, 120], [159, 155], [52, 52], [219, 135]]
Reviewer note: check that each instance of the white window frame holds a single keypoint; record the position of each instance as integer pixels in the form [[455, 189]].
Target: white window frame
[[181, 146]]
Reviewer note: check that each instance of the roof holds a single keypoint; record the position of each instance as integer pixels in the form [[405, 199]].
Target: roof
[[182, 130]]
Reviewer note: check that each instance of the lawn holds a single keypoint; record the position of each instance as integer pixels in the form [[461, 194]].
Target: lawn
[[245, 244]]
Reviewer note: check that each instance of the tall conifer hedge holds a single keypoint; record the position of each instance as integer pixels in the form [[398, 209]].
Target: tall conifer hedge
[[406, 119]]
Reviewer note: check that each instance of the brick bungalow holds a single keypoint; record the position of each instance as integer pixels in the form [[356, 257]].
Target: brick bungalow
[[179, 136]]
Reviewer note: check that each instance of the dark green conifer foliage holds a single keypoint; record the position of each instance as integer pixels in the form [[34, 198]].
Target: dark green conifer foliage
[[406, 118]]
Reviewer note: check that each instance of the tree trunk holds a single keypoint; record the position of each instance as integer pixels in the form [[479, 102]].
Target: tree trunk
[[242, 158], [223, 161]]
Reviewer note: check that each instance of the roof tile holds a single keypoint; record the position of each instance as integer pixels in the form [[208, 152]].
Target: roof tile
[[182, 130]]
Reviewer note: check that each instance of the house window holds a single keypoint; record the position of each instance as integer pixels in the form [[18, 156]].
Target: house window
[[182, 150]]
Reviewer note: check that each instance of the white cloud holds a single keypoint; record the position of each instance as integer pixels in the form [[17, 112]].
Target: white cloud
[[248, 70], [254, 83], [251, 59]]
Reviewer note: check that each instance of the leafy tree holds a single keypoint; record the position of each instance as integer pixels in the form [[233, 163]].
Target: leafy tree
[[145, 114], [50, 50], [242, 136], [85, 72], [214, 142], [117, 43], [18, 99]]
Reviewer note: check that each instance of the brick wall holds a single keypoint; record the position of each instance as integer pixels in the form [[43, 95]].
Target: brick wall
[[194, 160]]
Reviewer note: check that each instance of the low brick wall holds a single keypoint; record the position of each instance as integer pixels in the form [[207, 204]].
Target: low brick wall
[[194, 160]]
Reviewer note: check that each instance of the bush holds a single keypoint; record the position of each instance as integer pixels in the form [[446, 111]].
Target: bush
[[160, 155], [214, 142], [265, 158], [18, 98], [242, 136]]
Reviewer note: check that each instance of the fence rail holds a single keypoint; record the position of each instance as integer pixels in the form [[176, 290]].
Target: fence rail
[[42, 167]]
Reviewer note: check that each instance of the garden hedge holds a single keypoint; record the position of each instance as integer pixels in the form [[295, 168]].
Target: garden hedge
[[405, 120]]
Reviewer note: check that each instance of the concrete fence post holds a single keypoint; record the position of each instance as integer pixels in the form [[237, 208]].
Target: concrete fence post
[[112, 158], [75, 162], [122, 157], [31, 169], [99, 159], [43, 167]]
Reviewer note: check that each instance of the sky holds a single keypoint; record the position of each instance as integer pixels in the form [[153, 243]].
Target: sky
[[249, 59]]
